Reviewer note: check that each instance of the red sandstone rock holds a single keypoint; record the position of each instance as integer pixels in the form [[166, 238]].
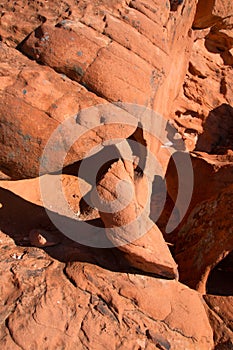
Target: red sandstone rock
[[220, 314], [212, 174], [220, 37], [68, 50], [40, 238], [122, 59], [146, 80], [211, 11], [94, 61], [125, 216], [35, 113], [133, 40], [204, 240], [86, 306], [204, 110], [206, 95]]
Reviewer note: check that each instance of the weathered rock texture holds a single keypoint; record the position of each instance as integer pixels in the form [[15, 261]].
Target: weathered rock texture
[[204, 116], [205, 239], [85, 46], [83, 306], [220, 314], [34, 101], [58, 58]]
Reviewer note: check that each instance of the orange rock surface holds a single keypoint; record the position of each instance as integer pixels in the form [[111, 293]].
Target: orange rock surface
[[142, 91]]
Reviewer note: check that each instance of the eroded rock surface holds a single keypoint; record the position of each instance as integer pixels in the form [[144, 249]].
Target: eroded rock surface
[[129, 228], [201, 244], [203, 116], [34, 102], [84, 306], [220, 314], [81, 43], [58, 58]]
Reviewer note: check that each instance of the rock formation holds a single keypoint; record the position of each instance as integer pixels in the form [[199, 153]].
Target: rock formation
[[140, 90]]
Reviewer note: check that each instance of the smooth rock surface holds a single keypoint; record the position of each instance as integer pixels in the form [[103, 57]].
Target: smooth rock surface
[[35, 101], [127, 223]]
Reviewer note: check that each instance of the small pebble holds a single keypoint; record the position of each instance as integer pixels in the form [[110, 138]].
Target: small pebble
[[41, 238]]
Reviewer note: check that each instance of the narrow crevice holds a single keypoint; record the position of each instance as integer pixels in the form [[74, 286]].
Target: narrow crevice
[[220, 280], [192, 70], [160, 342], [125, 19], [223, 87], [11, 334], [110, 308], [70, 279], [174, 4], [139, 149], [131, 5]]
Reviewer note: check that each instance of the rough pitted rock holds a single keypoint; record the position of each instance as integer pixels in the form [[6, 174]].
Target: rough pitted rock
[[107, 68], [207, 88], [88, 53], [220, 315], [127, 51], [212, 174], [84, 306], [205, 239]]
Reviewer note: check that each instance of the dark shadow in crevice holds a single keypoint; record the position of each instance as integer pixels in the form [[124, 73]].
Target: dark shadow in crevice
[[227, 58], [174, 4], [217, 136], [213, 47], [215, 43], [220, 280], [18, 216], [30, 53], [226, 345]]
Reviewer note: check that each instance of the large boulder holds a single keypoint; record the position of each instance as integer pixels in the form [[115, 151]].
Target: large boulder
[[35, 103]]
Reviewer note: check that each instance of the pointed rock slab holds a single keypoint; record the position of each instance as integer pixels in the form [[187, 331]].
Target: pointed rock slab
[[124, 203], [149, 253]]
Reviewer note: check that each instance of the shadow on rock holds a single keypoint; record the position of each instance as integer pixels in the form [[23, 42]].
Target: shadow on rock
[[19, 216], [217, 137]]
